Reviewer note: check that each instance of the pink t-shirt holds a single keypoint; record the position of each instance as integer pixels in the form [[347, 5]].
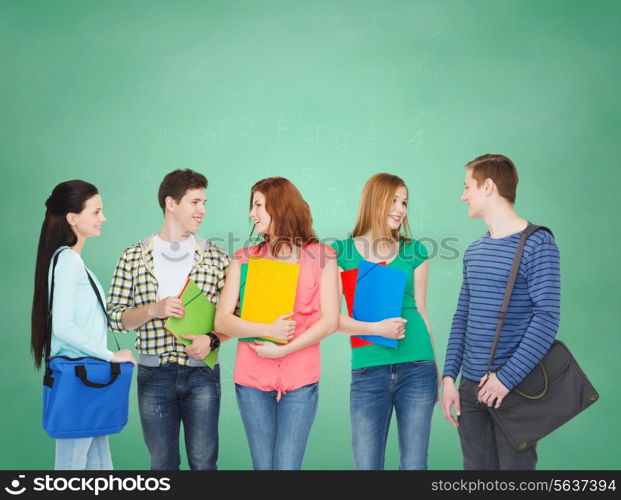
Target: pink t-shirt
[[304, 366]]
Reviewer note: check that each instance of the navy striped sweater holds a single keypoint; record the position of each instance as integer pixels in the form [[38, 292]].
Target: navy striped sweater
[[532, 318]]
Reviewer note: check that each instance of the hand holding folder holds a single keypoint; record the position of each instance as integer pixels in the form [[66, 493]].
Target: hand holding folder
[[378, 296], [267, 292], [198, 320], [349, 279]]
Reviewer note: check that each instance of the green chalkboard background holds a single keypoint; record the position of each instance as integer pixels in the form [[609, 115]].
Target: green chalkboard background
[[325, 93]]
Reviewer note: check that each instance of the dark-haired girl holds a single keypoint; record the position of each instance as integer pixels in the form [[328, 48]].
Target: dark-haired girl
[[74, 213]]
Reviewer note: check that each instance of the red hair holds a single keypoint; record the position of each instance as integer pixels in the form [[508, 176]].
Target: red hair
[[292, 223]]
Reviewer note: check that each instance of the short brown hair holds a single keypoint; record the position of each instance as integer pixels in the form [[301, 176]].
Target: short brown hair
[[177, 182], [499, 169]]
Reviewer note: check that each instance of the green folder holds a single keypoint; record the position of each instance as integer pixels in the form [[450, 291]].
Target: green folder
[[198, 320], [242, 289], [242, 286]]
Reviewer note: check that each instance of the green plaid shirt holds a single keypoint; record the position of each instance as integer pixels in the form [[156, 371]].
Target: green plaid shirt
[[134, 285]]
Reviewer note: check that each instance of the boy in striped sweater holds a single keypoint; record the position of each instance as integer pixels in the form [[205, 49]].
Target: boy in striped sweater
[[530, 325]]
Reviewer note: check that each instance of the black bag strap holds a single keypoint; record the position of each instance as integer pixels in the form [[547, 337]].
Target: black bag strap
[[103, 307], [48, 341], [515, 267], [80, 372]]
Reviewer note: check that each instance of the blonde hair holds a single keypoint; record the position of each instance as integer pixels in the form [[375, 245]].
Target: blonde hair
[[377, 198]]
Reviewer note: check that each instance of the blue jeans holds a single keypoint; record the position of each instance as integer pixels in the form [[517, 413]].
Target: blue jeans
[[170, 394], [92, 453], [277, 431], [411, 388], [483, 445]]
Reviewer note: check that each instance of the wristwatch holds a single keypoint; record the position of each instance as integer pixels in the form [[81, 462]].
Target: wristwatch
[[215, 341]]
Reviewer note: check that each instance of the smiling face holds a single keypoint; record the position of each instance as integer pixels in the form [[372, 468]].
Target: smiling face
[[189, 212], [398, 209], [259, 215], [475, 196], [88, 222]]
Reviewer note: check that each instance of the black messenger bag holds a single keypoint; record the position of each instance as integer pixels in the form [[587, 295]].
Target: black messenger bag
[[554, 392]]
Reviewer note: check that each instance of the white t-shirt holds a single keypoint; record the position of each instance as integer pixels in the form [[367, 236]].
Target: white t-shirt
[[172, 262]]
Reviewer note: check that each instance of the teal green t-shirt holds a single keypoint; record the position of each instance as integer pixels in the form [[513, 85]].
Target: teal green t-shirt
[[416, 346]]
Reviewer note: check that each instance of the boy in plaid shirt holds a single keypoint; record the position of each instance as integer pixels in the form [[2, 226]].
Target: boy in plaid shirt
[[174, 384]]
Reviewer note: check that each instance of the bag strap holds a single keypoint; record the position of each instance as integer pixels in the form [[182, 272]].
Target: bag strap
[[515, 267], [80, 372], [48, 339], [48, 342]]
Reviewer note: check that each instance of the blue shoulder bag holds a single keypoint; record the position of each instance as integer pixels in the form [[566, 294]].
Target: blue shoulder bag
[[83, 397]]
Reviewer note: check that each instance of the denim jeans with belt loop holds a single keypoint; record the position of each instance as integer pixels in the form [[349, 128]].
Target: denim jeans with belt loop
[[483, 445], [169, 395], [411, 389], [277, 425]]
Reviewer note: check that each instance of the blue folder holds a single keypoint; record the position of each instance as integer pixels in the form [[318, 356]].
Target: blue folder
[[379, 295]]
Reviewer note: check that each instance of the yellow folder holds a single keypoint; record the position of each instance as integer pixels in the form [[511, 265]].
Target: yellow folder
[[270, 291]]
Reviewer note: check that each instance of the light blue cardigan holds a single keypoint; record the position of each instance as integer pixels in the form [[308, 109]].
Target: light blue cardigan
[[79, 326]]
